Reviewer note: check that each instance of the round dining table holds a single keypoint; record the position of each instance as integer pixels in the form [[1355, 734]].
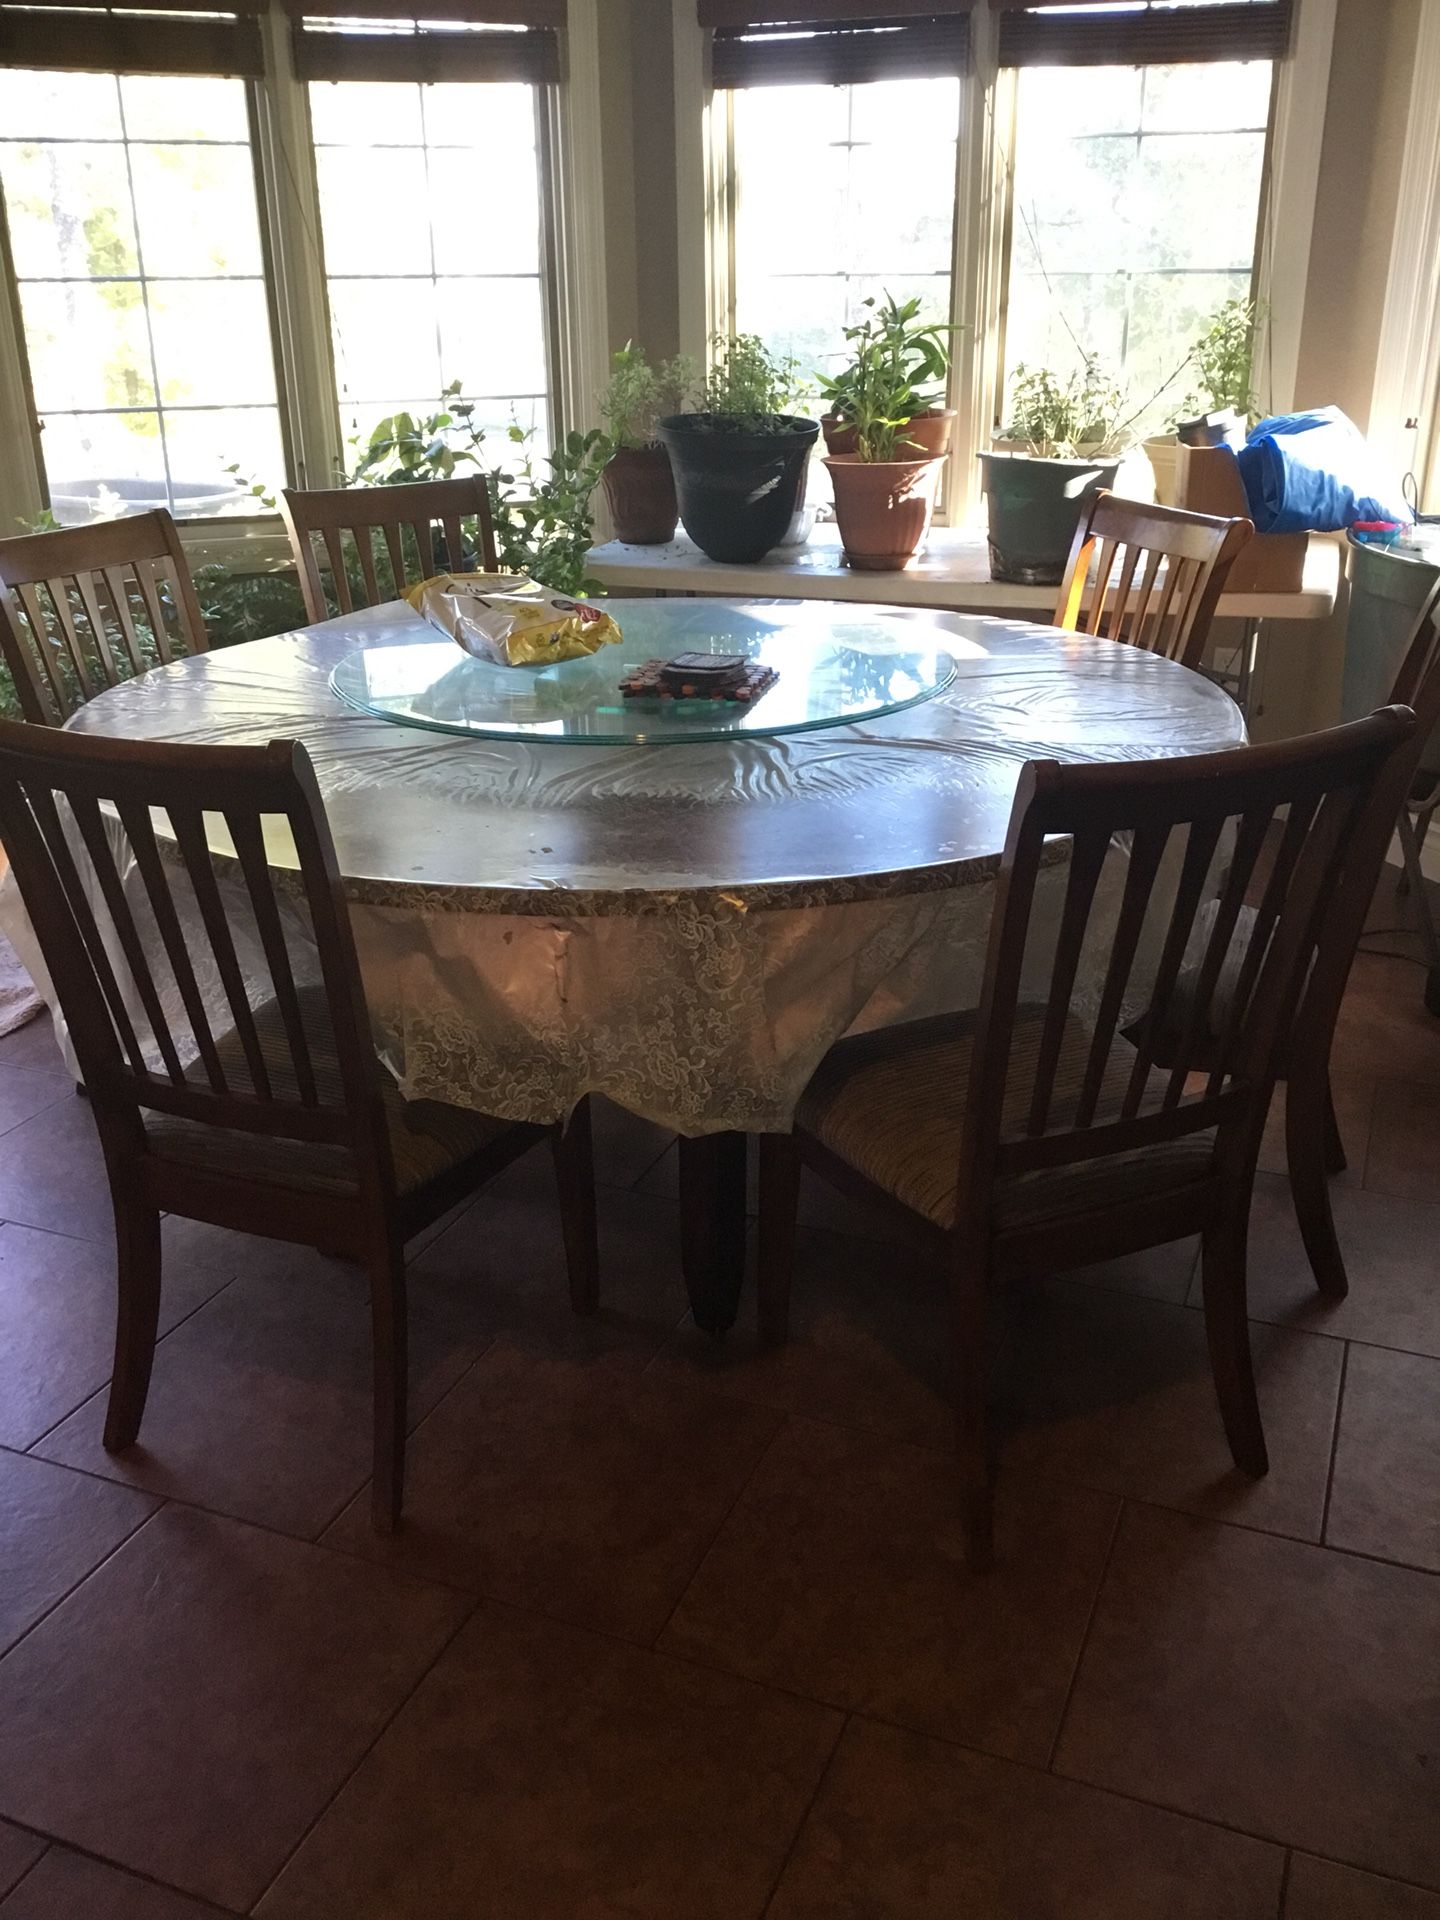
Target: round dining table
[[682, 921]]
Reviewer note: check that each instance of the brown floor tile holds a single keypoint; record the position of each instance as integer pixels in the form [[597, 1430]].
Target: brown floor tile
[[52, 1174], [24, 1094], [550, 1484], [502, 1265], [867, 1344], [189, 1710], [18, 1853], [57, 1314], [547, 1773], [1389, 1249], [907, 1829], [1159, 1273], [260, 1404], [1318, 1890], [1273, 1686], [1383, 1028], [67, 1886], [821, 1205], [1386, 1494], [840, 1575], [1405, 1144], [1354, 1096], [55, 1527], [1116, 1393]]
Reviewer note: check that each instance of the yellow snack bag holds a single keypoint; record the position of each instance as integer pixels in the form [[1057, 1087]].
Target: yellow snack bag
[[510, 620]]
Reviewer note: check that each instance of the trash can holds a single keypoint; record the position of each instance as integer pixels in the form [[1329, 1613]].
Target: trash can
[[1388, 587]]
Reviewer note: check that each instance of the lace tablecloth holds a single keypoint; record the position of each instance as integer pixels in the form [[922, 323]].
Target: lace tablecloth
[[685, 929]]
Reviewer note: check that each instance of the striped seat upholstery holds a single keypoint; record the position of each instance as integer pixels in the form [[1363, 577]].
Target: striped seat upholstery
[[891, 1105], [427, 1137]]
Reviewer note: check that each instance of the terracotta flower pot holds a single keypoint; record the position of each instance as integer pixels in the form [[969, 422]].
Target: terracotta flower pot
[[883, 508], [929, 432], [641, 491]]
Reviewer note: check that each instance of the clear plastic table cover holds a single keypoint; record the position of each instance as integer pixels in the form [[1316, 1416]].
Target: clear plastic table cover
[[853, 668], [684, 929]]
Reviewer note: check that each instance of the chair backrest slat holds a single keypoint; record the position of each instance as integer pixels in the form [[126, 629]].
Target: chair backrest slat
[[81, 635], [144, 870], [189, 825], [319, 522], [1197, 549], [1095, 1089], [249, 840]]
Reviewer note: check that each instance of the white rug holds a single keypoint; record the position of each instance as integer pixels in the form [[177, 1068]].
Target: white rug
[[19, 1001]]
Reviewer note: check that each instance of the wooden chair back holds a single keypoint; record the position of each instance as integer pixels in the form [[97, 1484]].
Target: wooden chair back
[[333, 535], [85, 607], [1417, 681], [1128, 597], [1199, 831], [111, 845]]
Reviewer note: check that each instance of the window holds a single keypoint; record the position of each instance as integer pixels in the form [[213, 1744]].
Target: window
[[136, 246], [1133, 215], [423, 289], [840, 193]]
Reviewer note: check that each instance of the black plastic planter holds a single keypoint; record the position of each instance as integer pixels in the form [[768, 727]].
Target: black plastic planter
[[1034, 508], [738, 491]]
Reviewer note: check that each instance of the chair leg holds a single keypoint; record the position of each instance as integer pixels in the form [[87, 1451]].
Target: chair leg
[[1227, 1329], [137, 1315], [1414, 872], [1335, 1161], [779, 1201], [389, 1339], [1309, 1151], [969, 1359], [575, 1178]]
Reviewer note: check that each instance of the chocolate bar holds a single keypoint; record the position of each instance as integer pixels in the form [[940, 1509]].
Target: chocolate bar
[[700, 676]]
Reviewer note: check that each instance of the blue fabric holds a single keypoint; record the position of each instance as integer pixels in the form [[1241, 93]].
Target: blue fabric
[[1315, 472]]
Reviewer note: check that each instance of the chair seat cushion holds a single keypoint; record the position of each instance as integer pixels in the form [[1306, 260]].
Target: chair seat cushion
[[892, 1104], [427, 1137]]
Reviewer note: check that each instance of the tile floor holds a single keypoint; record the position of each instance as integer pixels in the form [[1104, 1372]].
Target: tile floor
[[679, 1629]]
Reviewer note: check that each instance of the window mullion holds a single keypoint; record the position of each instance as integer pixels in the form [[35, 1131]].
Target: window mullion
[[982, 165], [290, 218], [22, 482]]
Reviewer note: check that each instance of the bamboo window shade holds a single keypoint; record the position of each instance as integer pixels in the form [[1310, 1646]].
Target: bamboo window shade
[[1138, 33], [447, 40], [833, 42], [144, 36]]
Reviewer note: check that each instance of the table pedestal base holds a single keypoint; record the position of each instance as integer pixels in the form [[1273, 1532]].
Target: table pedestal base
[[713, 1226]]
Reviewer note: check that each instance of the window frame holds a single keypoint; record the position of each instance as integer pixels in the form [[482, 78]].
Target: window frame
[[292, 252], [984, 171]]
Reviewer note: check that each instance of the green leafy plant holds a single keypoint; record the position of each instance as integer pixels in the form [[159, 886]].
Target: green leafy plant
[[1222, 361], [638, 396], [248, 606], [544, 525], [898, 370], [748, 389], [1067, 418]]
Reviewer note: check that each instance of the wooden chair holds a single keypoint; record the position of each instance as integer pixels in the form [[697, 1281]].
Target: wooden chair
[[275, 1118], [1024, 1139], [405, 517], [1313, 1146], [1169, 613], [87, 607]]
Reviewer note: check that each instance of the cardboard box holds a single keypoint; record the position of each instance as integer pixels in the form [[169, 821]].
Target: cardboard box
[[1207, 480]]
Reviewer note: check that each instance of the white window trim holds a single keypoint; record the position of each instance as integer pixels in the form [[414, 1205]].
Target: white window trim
[[1407, 367], [1283, 267]]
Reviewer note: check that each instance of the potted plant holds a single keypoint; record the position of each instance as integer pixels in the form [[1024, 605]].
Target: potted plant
[[1070, 434], [912, 356], [1220, 407], [638, 482], [884, 480], [739, 460]]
